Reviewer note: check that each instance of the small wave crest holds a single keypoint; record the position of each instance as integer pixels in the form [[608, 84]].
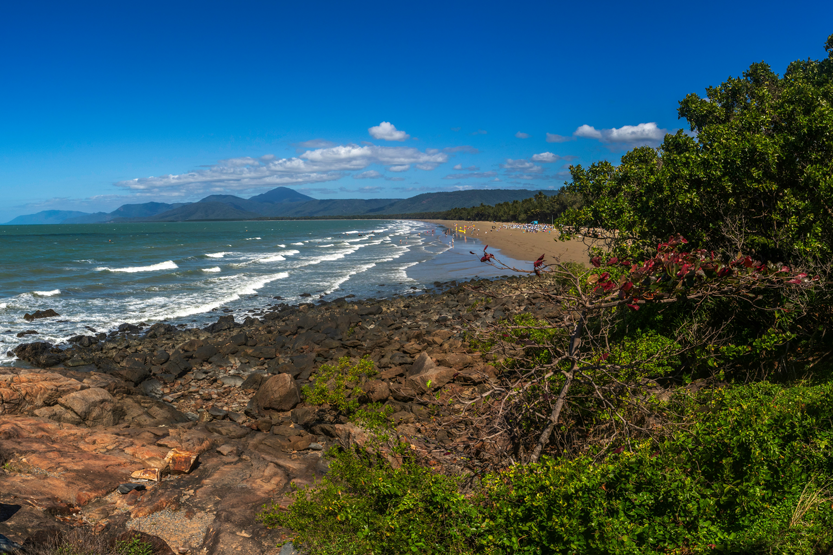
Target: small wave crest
[[46, 293], [299, 244], [217, 254], [211, 270], [168, 265], [275, 258], [325, 246]]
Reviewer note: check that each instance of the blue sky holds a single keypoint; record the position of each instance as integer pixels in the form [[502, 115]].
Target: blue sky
[[110, 103]]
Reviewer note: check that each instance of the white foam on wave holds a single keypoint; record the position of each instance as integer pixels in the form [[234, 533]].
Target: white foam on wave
[[217, 254], [357, 270], [253, 239], [274, 258], [402, 273], [168, 265], [52, 293], [290, 252], [247, 288], [282, 246], [325, 246], [211, 270], [299, 244]]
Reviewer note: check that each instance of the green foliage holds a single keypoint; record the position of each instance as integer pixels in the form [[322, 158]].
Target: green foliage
[[652, 354], [747, 471], [339, 386], [758, 175], [134, 546], [365, 506]]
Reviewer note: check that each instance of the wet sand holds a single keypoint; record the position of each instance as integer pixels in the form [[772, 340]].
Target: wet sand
[[519, 244]]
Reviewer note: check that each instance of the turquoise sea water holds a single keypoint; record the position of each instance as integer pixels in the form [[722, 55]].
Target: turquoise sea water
[[102, 275]]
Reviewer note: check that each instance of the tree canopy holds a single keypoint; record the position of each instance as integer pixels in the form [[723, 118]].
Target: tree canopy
[[754, 173]]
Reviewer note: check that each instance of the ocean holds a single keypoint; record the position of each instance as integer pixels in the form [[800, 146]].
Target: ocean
[[99, 276]]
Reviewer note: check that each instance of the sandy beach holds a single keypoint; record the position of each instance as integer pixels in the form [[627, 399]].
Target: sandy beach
[[520, 244]]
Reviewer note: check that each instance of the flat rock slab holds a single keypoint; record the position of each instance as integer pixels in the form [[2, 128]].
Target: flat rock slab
[[57, 474]]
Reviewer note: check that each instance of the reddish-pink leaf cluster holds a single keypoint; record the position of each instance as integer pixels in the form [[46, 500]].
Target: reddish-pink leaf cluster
[[671, 269]]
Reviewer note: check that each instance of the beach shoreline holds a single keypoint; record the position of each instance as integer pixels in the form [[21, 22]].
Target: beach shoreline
[[519, 244]]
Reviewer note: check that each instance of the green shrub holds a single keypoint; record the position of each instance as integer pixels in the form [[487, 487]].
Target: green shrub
[[339, 386], [365, 506], [746, 470]]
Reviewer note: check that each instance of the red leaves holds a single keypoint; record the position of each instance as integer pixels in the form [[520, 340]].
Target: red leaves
[[487, 257], [613, 261], [539, 262], [684, 270], [626, 287], [596, 261], [633, 307]]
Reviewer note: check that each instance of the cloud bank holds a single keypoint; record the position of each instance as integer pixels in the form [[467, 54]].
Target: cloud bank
[[313, 166]]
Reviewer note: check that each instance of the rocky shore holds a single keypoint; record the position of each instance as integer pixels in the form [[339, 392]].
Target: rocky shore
[[111, 409]]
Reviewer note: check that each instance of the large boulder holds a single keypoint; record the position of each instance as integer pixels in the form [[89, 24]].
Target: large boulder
[[280, 393], [40, 314], [424, 375], [94, 406]]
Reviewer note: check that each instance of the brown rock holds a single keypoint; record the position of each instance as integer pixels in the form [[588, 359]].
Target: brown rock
[[422, 363], [391, 373], [376, 391], [94, 406], [430, 379], [147, 474], [40, 314], [180, 462], [280, 392]]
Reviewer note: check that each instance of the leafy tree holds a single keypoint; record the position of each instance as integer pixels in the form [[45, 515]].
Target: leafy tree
[[756, 176]]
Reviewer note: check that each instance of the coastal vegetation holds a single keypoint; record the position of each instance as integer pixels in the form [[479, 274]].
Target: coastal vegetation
[[677, 396]]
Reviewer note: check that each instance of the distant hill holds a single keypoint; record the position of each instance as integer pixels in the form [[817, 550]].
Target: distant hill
[[46, 217], [281, 194], [440, 202], [124, 212], [282, 202], [203, 211]]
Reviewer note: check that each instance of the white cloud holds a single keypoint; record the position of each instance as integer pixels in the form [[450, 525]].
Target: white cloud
[[521, 166], [386, 131], [458, 167], [369, 174], [641, 134], [521, 135], [553, 138], [313, 166], [402, 168], [546, 157], [588, 132]]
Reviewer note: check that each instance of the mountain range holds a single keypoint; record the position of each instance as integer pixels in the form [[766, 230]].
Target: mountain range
[[281, 202]]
